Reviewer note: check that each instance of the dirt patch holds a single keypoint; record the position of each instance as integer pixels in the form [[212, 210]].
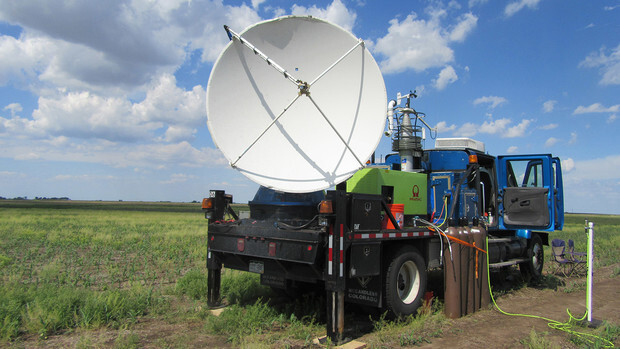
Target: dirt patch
[[490, 328], [146, 333]]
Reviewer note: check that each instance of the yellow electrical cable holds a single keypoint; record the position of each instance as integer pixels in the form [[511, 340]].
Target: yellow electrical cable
[[562, 326], [445, 203]]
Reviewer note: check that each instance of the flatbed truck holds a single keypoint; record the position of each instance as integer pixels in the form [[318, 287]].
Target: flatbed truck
[[373, 239]]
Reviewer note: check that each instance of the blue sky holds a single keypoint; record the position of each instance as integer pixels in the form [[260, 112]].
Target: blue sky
[[106, 100]]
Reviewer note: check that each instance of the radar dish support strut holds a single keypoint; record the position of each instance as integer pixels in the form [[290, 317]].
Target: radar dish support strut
[[266, 129], [336, 131], [276, 66]]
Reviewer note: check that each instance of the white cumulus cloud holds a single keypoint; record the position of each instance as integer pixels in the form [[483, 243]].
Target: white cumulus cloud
[[609, 65], [549, 105], [442, 126], [24, 58], [549, 126], [111, 45], [468, 129], [568, 164], [257, 3], [336, 12], [501, 127], [466, 23], [573, 138], [422, 43], [551, 141], [14, 108], [519, 5], [606, 168], [492, 101], [86, 115], [494, 126], [446, 76], [518, 130], [596, 108]]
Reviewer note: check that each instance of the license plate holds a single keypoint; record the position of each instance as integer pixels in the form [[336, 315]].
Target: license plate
[[257, 267]]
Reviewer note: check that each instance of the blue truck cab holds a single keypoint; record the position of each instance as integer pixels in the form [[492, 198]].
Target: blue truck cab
[[513, 194]]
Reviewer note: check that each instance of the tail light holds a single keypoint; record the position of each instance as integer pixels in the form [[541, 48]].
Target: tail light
[[207, 203], [326, 207]]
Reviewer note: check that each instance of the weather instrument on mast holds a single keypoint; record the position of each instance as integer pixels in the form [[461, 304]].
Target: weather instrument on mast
[[296, 104], [407, 140]]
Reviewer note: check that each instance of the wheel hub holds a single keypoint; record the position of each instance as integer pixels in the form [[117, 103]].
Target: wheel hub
[[408, 283]]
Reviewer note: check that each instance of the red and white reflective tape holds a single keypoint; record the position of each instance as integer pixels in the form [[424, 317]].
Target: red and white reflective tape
[[410, 234], [341, 250], [330, 256]]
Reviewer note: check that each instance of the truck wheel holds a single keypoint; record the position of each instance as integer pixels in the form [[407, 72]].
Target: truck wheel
[[532, 269], [405, 282]]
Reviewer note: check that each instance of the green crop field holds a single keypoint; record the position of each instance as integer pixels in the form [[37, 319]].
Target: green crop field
[[67, 265], [606, 235]]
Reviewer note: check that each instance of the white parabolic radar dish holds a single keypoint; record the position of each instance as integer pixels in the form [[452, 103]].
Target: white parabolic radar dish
[[296, 104]]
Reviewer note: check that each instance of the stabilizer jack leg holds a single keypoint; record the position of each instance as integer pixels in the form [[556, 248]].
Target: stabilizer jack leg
[[335, 316], [214, 277]]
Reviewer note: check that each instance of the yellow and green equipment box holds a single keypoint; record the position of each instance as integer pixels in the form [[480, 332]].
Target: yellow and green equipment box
[[409, 188]]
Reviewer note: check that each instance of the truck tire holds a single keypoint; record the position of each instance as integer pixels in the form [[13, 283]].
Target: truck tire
[[532, 269], [405, 282]]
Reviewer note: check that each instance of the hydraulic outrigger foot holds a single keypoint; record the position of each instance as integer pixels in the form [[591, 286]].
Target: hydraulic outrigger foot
[[335, 317], [214, 277]]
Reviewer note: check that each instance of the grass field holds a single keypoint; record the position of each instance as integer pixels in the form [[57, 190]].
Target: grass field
[[67, 265], [70, 265], [606, 235]]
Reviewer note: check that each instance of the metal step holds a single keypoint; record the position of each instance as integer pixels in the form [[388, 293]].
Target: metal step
[[497, 240], [507, 263]]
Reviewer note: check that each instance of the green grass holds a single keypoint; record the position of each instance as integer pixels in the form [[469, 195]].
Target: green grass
[[69, 264], [90, 264], [104, 205], [242, 288], [536, 340], [606, 335], [99, 248], [259, 322], [414, 330], [48, 309]]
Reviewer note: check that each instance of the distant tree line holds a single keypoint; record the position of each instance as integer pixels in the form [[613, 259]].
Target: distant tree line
[[36, 198]]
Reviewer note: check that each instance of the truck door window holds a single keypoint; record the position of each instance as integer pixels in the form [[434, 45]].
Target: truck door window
[[511, 180], [554, 174], [524, 173]]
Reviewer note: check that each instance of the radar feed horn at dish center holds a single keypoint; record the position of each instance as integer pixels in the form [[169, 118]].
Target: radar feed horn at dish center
[[299, 133]]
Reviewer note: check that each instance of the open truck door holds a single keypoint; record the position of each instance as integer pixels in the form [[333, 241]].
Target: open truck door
[[531, 195]]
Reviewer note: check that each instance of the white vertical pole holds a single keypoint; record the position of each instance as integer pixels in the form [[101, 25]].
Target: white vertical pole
[[590, 266]]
